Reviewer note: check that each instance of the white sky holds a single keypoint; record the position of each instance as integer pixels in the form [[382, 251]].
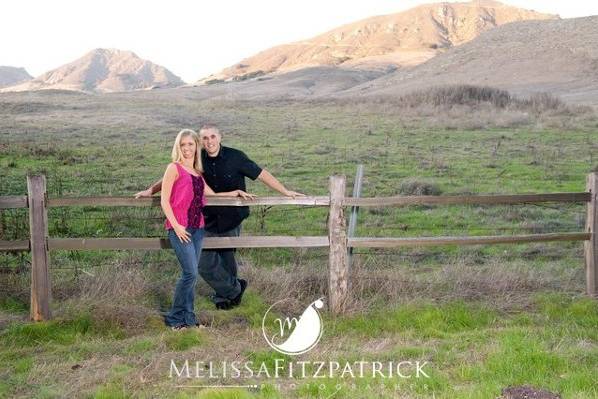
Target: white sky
[[192, 38]]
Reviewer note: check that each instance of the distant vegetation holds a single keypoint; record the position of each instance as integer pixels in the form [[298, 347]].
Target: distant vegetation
[[247, 76], [447, 96], [472, 107]]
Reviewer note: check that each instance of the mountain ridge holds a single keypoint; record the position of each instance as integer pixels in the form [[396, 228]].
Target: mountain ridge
[[402, 39], [103, 70], [10, 75], [556, 56]]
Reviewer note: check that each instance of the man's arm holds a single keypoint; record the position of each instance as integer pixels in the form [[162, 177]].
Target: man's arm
[[153, 189], [272, 182]]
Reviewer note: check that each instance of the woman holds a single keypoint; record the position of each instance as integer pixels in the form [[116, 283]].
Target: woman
[[183, 197]]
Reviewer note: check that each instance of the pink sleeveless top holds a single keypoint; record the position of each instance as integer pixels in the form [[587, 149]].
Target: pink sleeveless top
[[187, 199]]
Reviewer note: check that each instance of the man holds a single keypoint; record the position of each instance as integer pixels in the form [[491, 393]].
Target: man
[[225, 169]]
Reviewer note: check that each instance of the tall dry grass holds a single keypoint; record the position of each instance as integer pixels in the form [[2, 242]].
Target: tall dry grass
[[129, 296], [389, 281], [474, 107]]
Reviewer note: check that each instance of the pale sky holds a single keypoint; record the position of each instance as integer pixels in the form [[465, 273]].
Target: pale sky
[[192, 38]]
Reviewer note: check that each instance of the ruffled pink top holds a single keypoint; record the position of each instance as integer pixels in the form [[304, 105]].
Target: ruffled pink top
[[187, 199]]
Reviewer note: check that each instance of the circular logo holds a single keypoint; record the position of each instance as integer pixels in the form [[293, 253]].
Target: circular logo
[[291, 335]]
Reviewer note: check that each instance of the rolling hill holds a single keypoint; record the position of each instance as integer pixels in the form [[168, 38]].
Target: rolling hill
[[556, 56], [11, 75], [103, 70], [402, 39]]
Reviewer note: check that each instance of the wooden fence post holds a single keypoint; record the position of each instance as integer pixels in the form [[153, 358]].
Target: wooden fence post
[[591, 245], [338, 277], [38, 233]]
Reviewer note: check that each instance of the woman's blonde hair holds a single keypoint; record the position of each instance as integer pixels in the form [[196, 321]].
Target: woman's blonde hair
[[177, 155]]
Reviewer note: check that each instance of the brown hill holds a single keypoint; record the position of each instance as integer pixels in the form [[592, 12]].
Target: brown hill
[[12, 75], [104, 70], [557, 56], [403, 39]]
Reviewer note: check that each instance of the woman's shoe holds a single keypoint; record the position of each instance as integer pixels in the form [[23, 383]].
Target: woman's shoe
[[179, 327]]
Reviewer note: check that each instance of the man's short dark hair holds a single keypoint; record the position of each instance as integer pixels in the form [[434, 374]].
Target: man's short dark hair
[[208, 126]]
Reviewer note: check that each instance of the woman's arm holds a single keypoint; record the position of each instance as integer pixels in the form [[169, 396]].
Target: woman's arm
[[170, 177], [234, 193]]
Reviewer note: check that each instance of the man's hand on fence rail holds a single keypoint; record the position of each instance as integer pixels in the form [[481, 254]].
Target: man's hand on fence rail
[[293, 194], [143, 194], [244, 195]]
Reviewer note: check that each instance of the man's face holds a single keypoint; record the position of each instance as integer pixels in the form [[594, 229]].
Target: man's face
[[210, 139]]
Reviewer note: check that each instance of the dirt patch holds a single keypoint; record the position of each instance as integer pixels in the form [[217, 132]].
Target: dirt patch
[[527, 392]]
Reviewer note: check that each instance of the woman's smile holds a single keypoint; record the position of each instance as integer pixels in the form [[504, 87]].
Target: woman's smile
[[188, 147]]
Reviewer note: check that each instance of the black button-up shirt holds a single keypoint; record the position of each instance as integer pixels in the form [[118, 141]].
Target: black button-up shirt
[[227, 172]]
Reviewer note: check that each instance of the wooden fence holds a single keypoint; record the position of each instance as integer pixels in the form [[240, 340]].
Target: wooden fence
[[337, 240]]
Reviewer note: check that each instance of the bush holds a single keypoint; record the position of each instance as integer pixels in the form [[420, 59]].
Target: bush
[[457, 95], [249, 75], [540, 102], [418, 187], [213, 81]]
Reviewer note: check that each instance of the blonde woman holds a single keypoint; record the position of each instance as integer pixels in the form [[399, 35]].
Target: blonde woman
[[183, 198]]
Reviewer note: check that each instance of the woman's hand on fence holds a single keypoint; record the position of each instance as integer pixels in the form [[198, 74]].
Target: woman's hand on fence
[[244, 195], [144, 193], [182, 233]]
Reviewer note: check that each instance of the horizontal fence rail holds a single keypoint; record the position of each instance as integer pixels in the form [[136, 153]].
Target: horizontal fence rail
[[472, 240], [210, 201], [13, 201], [338, 241], [469, 199], [207, 243], [21, 201], [15, 245], [289, 242], [325, 201]]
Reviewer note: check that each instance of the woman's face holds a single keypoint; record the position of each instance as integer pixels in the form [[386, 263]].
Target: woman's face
[[188, 147]]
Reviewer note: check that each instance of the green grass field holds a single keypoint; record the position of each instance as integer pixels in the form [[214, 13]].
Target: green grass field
[[483, 317]]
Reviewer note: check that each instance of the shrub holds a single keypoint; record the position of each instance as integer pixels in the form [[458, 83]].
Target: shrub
[[457, 95], [418, 187], [540, 102]]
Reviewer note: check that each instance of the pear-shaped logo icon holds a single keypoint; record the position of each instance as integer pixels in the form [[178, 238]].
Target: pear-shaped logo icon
[[290, 335]]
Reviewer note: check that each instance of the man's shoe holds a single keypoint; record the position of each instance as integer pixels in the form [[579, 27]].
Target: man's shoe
[[225, 305], [237, 300]]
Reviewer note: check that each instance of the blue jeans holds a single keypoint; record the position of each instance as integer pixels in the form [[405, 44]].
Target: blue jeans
[[188, 254]]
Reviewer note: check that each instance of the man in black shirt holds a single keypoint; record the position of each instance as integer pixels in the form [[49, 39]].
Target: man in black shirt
[[225, 169]]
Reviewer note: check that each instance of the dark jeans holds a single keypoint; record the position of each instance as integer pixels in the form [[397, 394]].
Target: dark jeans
[[219, 268], [188, 254]]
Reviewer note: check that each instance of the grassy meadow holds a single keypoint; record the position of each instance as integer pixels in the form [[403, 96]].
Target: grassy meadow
[[483, 317]]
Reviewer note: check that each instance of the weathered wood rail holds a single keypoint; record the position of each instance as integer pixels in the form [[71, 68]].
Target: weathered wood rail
[[39, 244]]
